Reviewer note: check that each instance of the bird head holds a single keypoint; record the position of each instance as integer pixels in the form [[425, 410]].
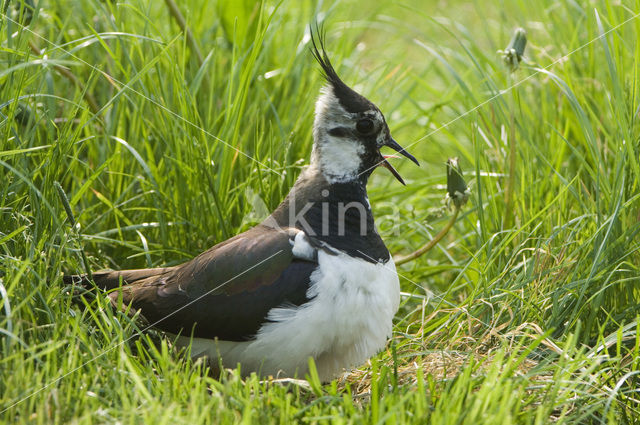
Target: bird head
[[348, 130]]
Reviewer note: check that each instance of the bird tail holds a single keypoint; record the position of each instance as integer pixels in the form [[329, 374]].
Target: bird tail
[[111, 279]]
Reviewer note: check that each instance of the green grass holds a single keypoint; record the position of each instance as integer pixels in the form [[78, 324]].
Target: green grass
[[527, 313]]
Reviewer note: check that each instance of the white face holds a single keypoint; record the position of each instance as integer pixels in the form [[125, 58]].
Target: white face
[[336, 150]]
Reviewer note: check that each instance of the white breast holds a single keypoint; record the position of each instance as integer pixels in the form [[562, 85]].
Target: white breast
[[348, 320]]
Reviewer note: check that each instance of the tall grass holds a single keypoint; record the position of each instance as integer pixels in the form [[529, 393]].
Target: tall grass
[[163, 153]]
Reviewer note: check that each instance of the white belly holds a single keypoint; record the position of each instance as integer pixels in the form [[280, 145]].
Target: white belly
[[348, 320]]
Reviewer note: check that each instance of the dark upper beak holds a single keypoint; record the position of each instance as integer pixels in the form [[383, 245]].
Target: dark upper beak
[[395, 146]]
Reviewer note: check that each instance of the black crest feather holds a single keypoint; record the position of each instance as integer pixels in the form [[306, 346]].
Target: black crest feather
[[349, 99]]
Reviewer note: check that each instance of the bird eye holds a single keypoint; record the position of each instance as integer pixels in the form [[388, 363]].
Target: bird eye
[[364, 126]]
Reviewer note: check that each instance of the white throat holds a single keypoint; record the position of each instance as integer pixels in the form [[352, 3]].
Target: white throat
[[338, 158]]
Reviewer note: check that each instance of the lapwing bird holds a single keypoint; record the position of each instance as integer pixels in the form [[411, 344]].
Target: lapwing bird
[[314, 280]]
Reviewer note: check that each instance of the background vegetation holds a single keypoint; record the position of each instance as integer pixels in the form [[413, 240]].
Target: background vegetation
[[165, 144]]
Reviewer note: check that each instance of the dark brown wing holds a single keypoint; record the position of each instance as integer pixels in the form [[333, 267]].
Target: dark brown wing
[[225, 292]]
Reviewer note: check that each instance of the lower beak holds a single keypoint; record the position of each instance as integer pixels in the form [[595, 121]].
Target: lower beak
[[395, 146], [384, 163]]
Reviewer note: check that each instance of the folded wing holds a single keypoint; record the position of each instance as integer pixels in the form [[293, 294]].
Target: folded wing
[[225, 292]]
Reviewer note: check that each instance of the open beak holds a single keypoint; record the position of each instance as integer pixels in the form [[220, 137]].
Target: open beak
[[395, 146]]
